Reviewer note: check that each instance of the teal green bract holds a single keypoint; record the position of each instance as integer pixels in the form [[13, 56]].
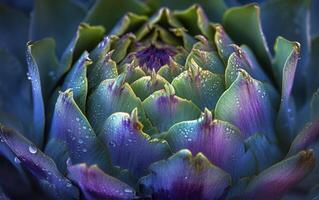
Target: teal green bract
[[161, 100]]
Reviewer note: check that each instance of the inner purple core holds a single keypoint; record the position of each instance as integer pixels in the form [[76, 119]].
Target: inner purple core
[[154, 57]]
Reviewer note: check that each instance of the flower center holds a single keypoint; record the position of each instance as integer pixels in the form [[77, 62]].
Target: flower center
[[154, 57]]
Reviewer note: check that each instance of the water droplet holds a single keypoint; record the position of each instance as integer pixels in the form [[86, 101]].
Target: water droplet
[[33, 149], [68, 162], [16, 160], [189, 139], [112, 144], [28, 76], [68, 185], [84, 150], [80, 141], [77, 119], [128, 190]]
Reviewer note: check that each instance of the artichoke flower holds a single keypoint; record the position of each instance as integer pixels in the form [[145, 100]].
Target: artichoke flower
[[164, 103]]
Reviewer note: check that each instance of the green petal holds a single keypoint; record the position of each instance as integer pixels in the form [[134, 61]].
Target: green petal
[[104, 68], [223, 43], [113, 95], [130, 22], [85, 39], [240, 59], [165, 109], [195, 21], [205, 57], [246, 104], [121, 47], [145, 86], [202, 87], [77, 81]]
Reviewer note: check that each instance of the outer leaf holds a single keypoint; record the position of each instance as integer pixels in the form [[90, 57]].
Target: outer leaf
[[14, 24], [41, 166], [287, 55], [85, 39], [131, 148], [183, 176], [95, 184], [165, 109], [313, 70], [43, 54], [295, 19], [45, 21], [15, 101], [244, 26], [38, 105], [307, 137], [278, 179], [214, 9], [220, 141], [314, 105], [107, 12]]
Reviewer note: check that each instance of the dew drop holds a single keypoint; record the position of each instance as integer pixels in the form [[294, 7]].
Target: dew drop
[[68, 162], [68, 185], [77, 119], [33, 149], [16, 160], [128, 190]]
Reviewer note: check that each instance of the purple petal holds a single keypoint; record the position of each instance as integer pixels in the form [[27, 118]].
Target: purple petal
[[40, 165], [247, 105], [96, 185], [71, 127], [164, 108], [278, 179], [219, 141], [129, 147], [183, 176], [307, 137]]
